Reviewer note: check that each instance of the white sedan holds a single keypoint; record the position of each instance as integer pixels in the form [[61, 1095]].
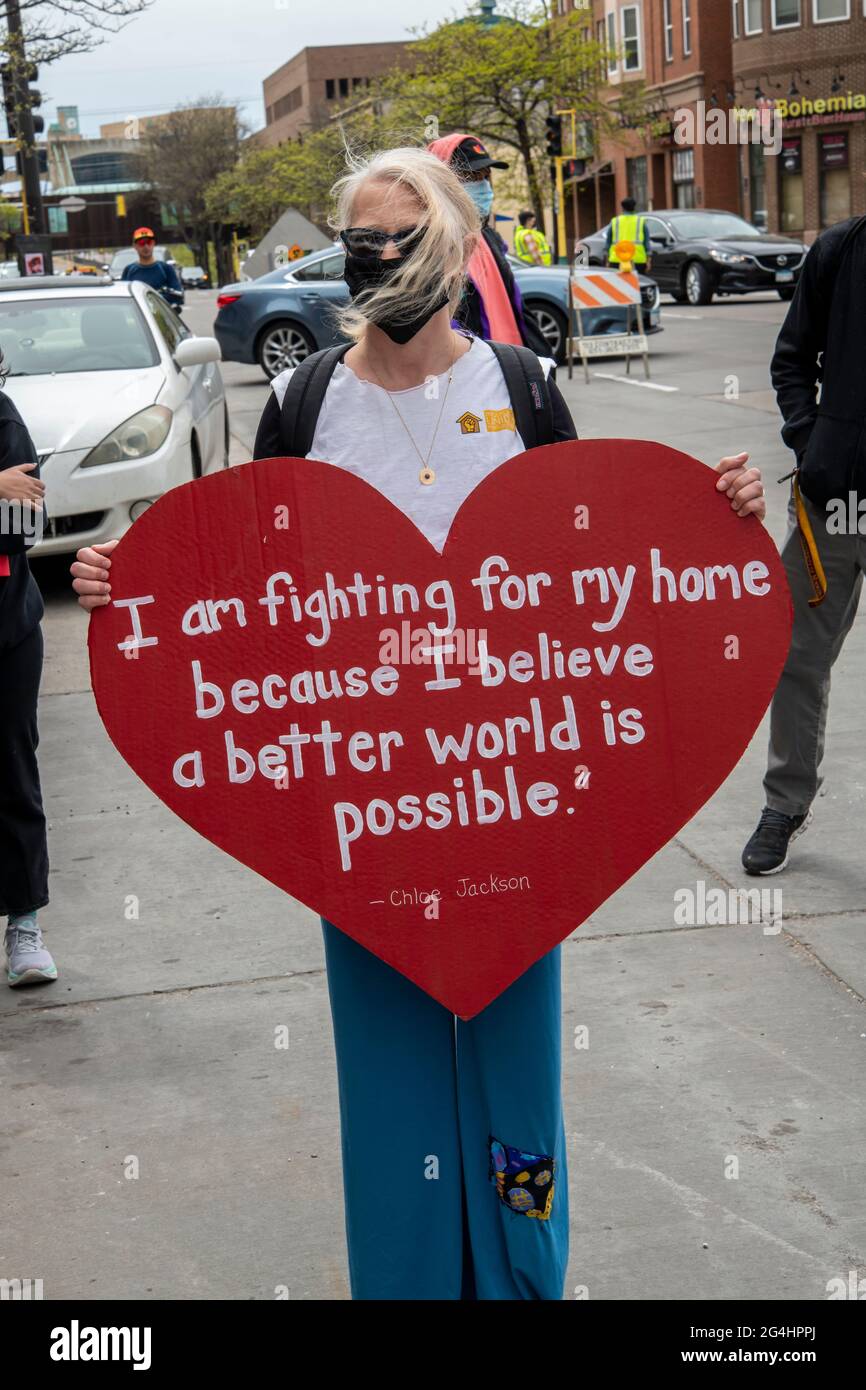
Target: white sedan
[[121, 400]]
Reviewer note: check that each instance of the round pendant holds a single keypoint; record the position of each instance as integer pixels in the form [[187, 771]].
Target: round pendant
[[427, 475]]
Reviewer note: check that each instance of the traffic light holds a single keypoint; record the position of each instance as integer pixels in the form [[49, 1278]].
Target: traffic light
[[32, 97], [554, 136], [27, 95]]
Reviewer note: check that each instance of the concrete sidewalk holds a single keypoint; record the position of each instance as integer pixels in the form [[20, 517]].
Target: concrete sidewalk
[[154, 1053]]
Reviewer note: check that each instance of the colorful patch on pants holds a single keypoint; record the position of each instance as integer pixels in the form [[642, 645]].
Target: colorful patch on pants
[[524, 1181]]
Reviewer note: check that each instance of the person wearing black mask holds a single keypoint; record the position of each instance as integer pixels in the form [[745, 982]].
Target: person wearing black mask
[[405, 406]]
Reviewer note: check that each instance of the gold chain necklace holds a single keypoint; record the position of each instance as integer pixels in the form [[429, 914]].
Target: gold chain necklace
[[427, 474]]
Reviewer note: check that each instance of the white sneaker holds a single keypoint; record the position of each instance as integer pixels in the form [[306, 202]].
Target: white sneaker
[[27, 961]]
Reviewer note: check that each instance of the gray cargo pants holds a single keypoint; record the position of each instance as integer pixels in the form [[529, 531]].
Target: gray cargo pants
[[798, 714]]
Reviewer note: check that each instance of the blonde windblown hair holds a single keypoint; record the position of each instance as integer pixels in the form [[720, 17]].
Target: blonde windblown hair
[[437, 263]]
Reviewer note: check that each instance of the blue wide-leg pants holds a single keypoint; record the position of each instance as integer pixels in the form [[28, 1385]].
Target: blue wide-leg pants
[[430, 1106]]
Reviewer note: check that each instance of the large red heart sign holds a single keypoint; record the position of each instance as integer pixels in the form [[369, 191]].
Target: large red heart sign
[[454, 757]]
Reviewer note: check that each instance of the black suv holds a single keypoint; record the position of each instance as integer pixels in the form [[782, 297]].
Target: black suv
[[699, 253]]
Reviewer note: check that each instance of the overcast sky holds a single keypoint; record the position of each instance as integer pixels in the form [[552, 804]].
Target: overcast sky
[[179, 50]]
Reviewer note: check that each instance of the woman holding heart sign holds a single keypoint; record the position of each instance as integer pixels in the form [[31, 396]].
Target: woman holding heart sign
[[463, 1117]]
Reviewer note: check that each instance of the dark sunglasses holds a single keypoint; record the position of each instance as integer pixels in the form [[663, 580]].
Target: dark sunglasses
[[144, 241], [371, 241]]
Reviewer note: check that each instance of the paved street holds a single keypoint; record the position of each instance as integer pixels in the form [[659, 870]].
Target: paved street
[[706, 1043]]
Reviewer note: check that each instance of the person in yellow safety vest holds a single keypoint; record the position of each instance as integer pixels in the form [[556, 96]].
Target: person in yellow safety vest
[[629, 226], [530, 244]]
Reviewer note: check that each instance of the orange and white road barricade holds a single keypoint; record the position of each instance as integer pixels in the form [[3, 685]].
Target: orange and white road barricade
[[603, 289]]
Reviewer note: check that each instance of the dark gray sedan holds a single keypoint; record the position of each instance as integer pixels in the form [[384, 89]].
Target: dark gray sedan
[[280, 318], [704, 252]]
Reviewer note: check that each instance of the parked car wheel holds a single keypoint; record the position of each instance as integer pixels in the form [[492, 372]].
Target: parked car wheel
[[552, 326], [786, 291], [679, 296], [283, 345], [698, 286]]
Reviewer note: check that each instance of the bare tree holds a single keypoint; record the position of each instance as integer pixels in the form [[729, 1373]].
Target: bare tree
[[181, 154], [55, 28]]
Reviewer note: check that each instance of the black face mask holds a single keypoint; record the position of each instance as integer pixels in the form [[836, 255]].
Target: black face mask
[[368, 273]]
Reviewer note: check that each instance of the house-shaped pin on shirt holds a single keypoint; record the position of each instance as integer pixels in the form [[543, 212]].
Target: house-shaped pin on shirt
[[469, 423]]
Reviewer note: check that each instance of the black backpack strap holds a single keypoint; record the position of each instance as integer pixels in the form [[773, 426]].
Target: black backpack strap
[[528, 392], [302, 402]]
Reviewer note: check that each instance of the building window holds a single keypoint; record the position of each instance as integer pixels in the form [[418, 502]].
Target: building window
[[631, 38], [791, 201], [290, 102], [669, 33], [758, 185], [754, 16], [612, 64], [58, 220], [786, 14], [329, 89], [684, 178], [635, 173], [742, 175], [835, 178], [104, 166], [825, 11], [687, 26], [344, 86], [735, 18]]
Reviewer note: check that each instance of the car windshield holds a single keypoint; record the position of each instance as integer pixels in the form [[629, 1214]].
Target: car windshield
[[711, 225], [121, 259], [39, 337]]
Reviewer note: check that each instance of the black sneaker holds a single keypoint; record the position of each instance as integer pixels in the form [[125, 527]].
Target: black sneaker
[[767, 850]]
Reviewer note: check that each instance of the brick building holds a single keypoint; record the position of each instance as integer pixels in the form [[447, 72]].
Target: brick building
[[306, 91], [807, 58], [680, 51]]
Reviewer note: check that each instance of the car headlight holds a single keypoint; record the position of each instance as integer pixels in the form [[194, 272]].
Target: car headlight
[[729, 257], [140, 435]]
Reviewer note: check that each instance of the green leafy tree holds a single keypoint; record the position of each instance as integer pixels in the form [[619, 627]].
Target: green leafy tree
[[501, 80], [299, 173]]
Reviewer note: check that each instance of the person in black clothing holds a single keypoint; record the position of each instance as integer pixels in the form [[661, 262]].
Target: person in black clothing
[[23, 842], [498, 315], [821, 341]]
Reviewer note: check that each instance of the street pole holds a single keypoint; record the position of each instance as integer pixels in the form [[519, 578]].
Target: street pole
[[31, 190], [561, 247], [561, 232]]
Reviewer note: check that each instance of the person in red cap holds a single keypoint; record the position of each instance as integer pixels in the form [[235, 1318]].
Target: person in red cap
[[492, 307], [158, 274]]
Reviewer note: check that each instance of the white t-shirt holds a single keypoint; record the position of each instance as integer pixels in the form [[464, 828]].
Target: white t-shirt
[[359, 429]]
